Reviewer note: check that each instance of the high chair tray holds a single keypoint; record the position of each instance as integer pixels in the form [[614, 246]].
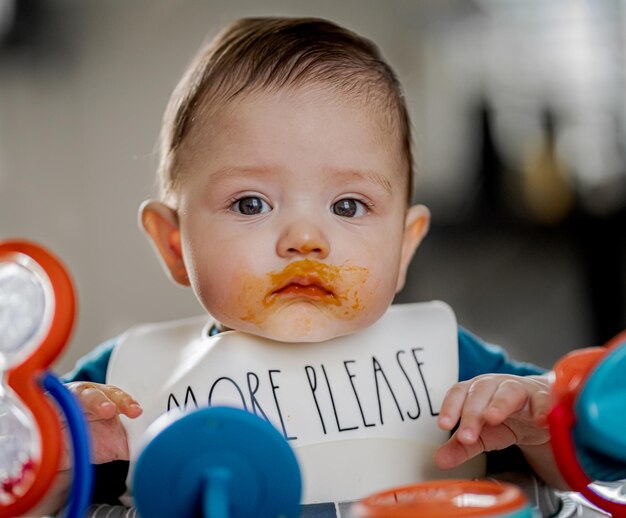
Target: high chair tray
[[546, 501]]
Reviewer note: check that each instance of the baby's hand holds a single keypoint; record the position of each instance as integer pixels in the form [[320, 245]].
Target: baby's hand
[[494, 411], [102, 405]]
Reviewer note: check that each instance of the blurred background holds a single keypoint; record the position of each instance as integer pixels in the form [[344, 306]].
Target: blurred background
[[519, 112]]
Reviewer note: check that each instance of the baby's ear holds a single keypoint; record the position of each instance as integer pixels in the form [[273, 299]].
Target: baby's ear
[[160, 223], [416, 225]]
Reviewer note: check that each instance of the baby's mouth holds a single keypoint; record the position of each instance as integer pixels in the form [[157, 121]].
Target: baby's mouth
[[325, 287], [308, 286], [305, 280]]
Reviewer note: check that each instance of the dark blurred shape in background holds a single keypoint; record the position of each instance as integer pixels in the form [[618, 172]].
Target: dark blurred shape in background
[[539, 91], [519, 108], [35, 31]]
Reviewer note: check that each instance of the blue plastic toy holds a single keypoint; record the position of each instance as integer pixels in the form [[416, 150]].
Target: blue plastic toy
[[217, 462]]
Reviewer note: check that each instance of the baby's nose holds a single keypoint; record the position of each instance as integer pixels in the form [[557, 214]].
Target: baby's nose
[[303, 238]]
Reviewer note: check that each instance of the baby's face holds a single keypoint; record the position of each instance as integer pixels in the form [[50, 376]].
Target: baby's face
[[292, 215]]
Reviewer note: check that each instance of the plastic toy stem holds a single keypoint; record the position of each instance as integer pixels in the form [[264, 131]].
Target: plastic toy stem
[[215, 502], [82, 481]]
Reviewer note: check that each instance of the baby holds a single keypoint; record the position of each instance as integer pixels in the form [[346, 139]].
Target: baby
[[286, 180]]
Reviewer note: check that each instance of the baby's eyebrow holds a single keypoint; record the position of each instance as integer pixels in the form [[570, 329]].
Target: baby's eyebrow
[[239, 171], [358, 174]]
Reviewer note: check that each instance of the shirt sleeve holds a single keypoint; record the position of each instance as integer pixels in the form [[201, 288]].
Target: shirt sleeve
[[478, 357], [93, 366]]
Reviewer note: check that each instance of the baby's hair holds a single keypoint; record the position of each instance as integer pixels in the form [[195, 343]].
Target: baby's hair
[[267, 54]]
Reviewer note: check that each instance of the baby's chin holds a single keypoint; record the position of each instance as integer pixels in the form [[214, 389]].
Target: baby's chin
[[296, 332], [300, 335], [305, 326]]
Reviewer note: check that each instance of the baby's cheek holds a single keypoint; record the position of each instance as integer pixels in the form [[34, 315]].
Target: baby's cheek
[[354, 295], [250, 304], [365, 303], [242, 299]]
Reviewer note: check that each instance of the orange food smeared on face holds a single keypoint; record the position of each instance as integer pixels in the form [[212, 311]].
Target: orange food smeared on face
[[330, 288], [305, 278]]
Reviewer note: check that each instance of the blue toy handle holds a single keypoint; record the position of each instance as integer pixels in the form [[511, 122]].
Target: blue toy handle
[[82, 479], [216, 493]]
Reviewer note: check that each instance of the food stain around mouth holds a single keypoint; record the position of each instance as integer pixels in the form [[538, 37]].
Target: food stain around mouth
[[307, 279], [330, 285]]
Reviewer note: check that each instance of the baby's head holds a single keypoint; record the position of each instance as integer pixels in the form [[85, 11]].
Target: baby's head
[[285, 179]]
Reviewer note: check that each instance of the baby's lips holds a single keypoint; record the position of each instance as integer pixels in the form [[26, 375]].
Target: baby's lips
[[305, 273], [304, 282]]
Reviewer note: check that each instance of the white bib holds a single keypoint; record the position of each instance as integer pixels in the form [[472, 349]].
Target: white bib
[[359, 410]]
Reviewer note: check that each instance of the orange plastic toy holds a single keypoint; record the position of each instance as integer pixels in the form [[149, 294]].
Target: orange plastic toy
[[37, 310]]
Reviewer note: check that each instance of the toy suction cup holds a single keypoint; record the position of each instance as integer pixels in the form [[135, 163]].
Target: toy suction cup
[[588, 421], [217, 462], [19, 448], [25, 304]]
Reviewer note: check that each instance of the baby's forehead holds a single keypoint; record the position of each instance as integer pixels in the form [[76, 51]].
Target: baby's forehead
[[373, 100], [318, 109], [375, 111]]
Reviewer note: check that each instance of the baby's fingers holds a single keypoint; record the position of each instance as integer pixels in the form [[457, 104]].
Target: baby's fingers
[[104, 401], [95, 403], [454, 453], [125, 404], [450, 411], [540, 403], [478, 398], [510, 397]]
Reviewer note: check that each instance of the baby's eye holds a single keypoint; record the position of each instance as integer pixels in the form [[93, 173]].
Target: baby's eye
[[349, 208], [250, 206]]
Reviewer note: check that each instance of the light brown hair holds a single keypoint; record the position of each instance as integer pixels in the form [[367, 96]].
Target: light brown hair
[[256, 54]]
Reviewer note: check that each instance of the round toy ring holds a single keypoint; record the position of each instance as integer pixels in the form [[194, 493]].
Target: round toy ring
[[446, 499], [37, 310]]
